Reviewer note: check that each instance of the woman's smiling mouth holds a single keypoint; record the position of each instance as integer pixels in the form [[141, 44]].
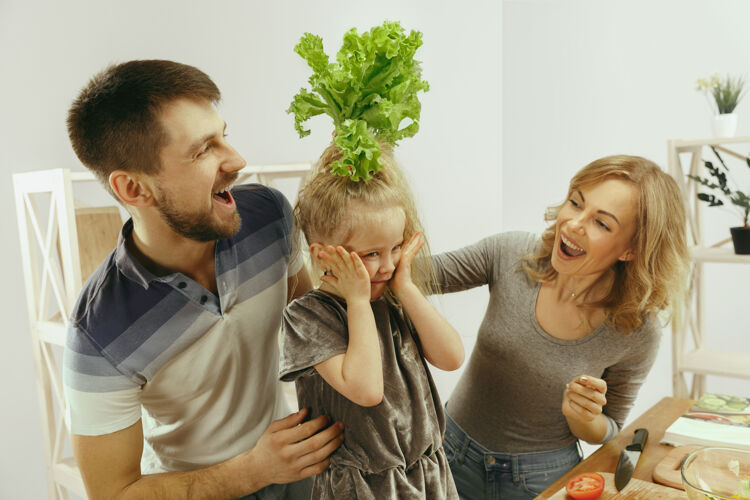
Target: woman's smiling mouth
[[569, 248]]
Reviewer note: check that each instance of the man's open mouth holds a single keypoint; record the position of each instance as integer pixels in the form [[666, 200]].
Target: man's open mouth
[[224, 196]]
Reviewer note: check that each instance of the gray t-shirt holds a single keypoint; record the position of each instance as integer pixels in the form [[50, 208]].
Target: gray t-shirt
[[509, 397], [391, 450]]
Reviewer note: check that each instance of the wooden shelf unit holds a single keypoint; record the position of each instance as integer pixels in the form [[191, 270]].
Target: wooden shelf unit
[[700, 361], [61, 244]]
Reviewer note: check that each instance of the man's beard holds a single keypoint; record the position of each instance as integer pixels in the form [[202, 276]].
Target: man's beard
[[196, 226]]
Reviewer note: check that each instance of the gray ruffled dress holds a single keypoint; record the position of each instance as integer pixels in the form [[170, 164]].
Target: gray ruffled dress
[[392, 450]]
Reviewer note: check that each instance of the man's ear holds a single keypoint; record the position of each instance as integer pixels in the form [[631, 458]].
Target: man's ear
[[131, 188], [627, 255]]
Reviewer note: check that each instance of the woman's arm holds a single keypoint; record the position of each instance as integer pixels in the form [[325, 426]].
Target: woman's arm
[[441, 343], [467, 267], [597, 408], [358, 373]]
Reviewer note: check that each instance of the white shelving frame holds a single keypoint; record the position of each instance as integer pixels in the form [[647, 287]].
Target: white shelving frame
[[45, 209], [698, 360]]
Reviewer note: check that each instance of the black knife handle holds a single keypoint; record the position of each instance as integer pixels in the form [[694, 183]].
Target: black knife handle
[[639, 440]]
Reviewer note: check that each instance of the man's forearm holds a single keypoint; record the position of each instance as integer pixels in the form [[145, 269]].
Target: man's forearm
[[228, 480]]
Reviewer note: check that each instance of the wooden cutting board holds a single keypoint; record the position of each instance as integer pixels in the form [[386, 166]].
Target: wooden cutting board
[[668, 470], [636, 489]]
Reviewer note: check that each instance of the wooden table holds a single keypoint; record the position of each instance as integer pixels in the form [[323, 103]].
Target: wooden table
[[656, 420]]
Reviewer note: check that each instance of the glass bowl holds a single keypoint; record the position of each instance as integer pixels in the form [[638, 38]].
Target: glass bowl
[[717, 474]]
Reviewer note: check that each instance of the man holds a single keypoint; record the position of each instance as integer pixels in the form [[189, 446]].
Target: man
[[171, 362]]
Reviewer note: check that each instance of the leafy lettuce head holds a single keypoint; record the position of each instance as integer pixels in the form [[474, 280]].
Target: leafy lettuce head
[[370, 92]]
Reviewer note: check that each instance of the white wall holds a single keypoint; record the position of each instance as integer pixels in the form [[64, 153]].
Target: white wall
[[49, 49], [589, 78]]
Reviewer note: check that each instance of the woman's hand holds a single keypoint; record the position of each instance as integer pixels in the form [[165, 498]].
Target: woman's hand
[[345, 273], [583, 398], [401, 279]]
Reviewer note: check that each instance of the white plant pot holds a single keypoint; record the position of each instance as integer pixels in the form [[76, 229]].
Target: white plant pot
[[725, 125]]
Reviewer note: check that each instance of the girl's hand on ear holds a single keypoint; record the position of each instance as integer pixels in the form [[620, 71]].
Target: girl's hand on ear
[[344, 273], [402, 277]]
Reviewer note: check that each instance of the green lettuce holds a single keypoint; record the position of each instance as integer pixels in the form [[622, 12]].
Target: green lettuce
[[370, 92]]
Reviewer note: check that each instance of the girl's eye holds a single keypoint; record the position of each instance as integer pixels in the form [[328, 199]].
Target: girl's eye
[[396, 248], [370, 255], [573, 202], [602, 224]]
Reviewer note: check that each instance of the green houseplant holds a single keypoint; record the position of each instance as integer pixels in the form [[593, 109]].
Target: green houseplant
[[723, 95], [717, 181]]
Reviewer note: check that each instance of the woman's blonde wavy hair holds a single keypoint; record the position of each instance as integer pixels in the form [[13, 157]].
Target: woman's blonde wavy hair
[[330, 208], [656, 279]]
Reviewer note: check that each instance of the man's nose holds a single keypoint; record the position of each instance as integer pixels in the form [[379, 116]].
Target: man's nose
[[233, 161]]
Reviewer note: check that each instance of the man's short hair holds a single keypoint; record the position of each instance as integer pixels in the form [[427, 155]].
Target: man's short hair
[[114, 123]]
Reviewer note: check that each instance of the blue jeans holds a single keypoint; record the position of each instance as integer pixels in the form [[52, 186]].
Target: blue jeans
[[481, 474], [301, 490]]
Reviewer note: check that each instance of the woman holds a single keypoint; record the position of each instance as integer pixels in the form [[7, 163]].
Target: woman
[[570, 332]]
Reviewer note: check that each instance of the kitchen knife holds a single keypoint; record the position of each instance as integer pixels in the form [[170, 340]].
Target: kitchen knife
[[629, 458]]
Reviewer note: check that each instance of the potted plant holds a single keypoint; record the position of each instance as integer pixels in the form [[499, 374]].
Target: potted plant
[[717, 181], [723, 96]]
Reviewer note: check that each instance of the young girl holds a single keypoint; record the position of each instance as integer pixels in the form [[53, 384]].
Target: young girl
[[356, 346]]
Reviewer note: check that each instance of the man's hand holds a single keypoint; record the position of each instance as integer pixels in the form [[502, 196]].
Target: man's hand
[[290, 450]]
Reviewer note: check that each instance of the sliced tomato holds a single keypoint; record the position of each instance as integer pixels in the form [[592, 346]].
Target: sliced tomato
[[586, 486]]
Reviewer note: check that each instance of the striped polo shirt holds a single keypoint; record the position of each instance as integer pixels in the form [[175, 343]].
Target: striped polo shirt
[[200, 369]]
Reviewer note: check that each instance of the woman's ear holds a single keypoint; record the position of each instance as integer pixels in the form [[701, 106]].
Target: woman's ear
[[130, 188], [627, 255]]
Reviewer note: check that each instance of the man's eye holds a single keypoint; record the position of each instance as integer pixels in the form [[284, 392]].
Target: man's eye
[[205, 150]]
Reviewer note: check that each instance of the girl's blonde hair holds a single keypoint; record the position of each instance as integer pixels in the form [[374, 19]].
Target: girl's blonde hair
[[656, 279], [330, 207]]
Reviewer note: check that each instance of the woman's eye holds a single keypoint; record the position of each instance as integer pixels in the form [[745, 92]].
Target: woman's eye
[[371, 255], [573, 202], [396, 248], [602, 224]]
